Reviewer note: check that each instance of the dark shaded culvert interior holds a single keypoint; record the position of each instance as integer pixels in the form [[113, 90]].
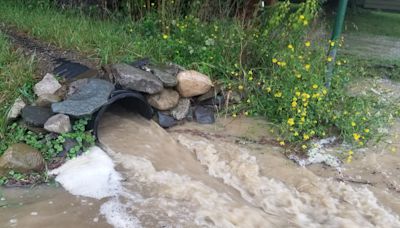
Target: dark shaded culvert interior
[[130, 101]]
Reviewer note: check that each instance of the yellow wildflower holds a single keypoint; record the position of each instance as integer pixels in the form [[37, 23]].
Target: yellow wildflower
[[246, 113], [234, 115], [296, 133], [278, 94], [305, 22], [290, 47], [315, 86], [298, 94], [366, 130], [268, 89], [306, 137], [353, 124], [298, 76], [329, 59], [290, 121], [307, 66], [283, 64], [304, 147], [165, 36], [356, 136], [308, 44], [294, 104], [240, 87], [332, 43], [302, 17], [274, 60], [282, 143], [349, 159]]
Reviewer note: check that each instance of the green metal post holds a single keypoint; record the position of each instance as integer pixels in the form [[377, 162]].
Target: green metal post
[[337, 30]]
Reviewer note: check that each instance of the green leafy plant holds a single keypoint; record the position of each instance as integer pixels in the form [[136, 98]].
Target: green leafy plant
[[51, 144]]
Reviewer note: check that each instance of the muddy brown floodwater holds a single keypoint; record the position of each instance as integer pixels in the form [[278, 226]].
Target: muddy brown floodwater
[[221, 175]]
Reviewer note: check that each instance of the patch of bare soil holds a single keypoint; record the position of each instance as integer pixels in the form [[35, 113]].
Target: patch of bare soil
[[46, 54], [370, 46]]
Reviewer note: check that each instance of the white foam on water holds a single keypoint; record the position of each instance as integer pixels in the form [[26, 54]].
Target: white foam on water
[[90, 175], [116, 214], [93, 175]]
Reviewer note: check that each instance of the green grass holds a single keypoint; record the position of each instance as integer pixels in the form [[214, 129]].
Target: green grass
[[374, 22], [371, 23], [16, 78]]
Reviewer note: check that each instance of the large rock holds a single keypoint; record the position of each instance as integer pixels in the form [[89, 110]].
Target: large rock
[[48, 85], [16, 108], [21, 158], [59, 123], [87, 100], [133, 78], [36, 116], [192, 83], [165, 100], [46, 100], [182, 109], [166, 74], [76, 85]]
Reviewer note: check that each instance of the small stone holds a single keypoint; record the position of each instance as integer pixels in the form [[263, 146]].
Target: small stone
[[212, 93], [16, 108], [165, 100], [233, 98], [48, 85], [182, 109], [46, 100], [21, 158], [136, 79], [87, 100], [59, 123], [192, 83], [36, 116], [204, 115], [217, 101], [165, 120]]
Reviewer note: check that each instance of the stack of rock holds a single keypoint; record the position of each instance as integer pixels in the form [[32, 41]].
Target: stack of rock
[[52, 112], [175, 94]]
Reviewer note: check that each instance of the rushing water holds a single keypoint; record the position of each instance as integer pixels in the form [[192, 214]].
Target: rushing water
[[221, 175]]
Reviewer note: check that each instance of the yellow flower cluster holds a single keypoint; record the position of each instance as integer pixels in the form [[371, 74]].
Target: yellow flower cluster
[[349, 156]]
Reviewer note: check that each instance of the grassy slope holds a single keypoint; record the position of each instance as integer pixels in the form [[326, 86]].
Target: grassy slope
[[16, 76], [99, 39], [374, 23]]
